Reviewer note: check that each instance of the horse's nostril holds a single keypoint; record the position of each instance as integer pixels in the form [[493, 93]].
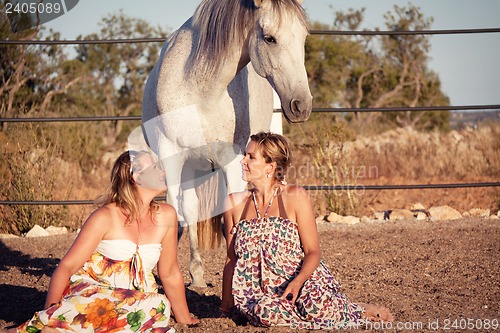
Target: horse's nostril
[[295, 106]]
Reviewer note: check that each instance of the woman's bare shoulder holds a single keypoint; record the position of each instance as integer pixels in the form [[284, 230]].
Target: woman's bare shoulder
[[166, 208], [102, 219], [236, 199], [107, 212], [294, 191], [167, 213]]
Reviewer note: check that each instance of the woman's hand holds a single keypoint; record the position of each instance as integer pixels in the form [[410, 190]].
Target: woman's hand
[[292, 291], [193, 321]]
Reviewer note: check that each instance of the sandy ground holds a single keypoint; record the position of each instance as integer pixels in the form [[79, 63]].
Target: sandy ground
[[434, 276]]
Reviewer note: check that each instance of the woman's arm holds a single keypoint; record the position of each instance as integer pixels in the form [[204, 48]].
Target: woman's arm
[[308, 232], [80, 251], [169, 271], [227, 277]]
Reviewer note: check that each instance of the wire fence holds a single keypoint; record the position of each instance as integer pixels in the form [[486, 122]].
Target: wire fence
[[342, 110], [307, 187], [319, 110], [312, 32]]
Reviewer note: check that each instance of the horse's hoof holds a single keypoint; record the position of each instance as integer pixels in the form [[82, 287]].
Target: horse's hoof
[[198, 284]]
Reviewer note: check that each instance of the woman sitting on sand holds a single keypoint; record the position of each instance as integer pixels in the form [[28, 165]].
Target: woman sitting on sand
[[273, 273], [105, 280]]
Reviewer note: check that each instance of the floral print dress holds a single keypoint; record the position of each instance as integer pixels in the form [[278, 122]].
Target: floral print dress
[[269, 255], [115, 291]]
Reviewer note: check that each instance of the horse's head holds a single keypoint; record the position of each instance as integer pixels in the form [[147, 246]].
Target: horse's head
[[276, 49]]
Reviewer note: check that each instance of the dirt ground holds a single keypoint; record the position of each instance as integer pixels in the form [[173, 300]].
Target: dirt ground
[[432, 275]]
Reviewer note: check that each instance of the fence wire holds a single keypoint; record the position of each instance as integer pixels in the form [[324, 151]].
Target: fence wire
[[307, 187], [344, 110], [318, 110], [312, 32]]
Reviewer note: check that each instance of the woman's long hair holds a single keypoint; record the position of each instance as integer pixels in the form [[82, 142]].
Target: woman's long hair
[[123, 189]]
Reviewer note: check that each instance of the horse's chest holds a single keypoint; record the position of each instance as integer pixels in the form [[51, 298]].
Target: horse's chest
[[192, 126]]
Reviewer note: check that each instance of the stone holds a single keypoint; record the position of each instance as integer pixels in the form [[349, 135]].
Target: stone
[[492, 217], [421, 216], [365, 219], [56, 230], [350, 220], [5, 236], [479, 212], [417, 206], [37, 231], [444, 213], [380, 216], [320, 219], [334, 217], [401, 214]]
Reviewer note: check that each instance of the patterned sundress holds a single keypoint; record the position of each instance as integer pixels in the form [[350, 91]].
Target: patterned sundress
[[114, 291], [269, 255]]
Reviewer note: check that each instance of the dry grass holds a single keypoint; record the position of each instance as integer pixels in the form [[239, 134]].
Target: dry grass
[[459, 155], [35, 167], [401, 156]]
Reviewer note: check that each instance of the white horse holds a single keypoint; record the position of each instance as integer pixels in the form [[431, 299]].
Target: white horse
[[202, 102]]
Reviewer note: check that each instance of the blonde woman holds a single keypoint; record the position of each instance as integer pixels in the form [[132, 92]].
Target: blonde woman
[[105, 280], [273, 273]]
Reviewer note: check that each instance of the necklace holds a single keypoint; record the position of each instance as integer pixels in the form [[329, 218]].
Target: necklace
[[268, 206]]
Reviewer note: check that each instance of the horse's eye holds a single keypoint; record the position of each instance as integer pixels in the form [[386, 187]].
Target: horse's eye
[[269, 39]]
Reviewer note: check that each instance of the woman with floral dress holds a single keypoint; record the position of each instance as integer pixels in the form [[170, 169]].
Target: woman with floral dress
[[105, 282], [273, 273]]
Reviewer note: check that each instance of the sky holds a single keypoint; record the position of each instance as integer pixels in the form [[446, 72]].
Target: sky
[[468, 65]]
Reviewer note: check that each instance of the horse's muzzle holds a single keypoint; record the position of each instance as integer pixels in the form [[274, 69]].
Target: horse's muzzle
[[300, 110]]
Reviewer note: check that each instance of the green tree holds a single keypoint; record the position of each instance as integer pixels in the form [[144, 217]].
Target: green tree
[[118, 71], [365, 71], [17, 66]]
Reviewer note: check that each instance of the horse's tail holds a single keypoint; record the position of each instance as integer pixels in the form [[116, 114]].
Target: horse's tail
[[210, 234]]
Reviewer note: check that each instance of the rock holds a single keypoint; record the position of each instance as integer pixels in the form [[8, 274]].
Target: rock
[[56, 230], [380, 216], [336, 218], [492, 217], [417, 206], [401, 214], [5, 236], [37, 231], [365, 219], [350, 220], [421, 216], [479, 212], [498, 213], [444, 213], [466, 214], [320, 219]]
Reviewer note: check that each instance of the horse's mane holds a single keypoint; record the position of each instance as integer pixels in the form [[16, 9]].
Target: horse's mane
[[221, 23]]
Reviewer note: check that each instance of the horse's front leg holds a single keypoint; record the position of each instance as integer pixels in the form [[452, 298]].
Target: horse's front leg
[[190, 208]]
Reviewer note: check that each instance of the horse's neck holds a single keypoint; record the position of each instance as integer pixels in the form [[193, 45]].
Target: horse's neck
[[234, 102], [210, 87]]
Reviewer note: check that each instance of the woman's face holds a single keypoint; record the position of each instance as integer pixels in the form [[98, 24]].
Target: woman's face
[[150, 176], [253, 164]]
